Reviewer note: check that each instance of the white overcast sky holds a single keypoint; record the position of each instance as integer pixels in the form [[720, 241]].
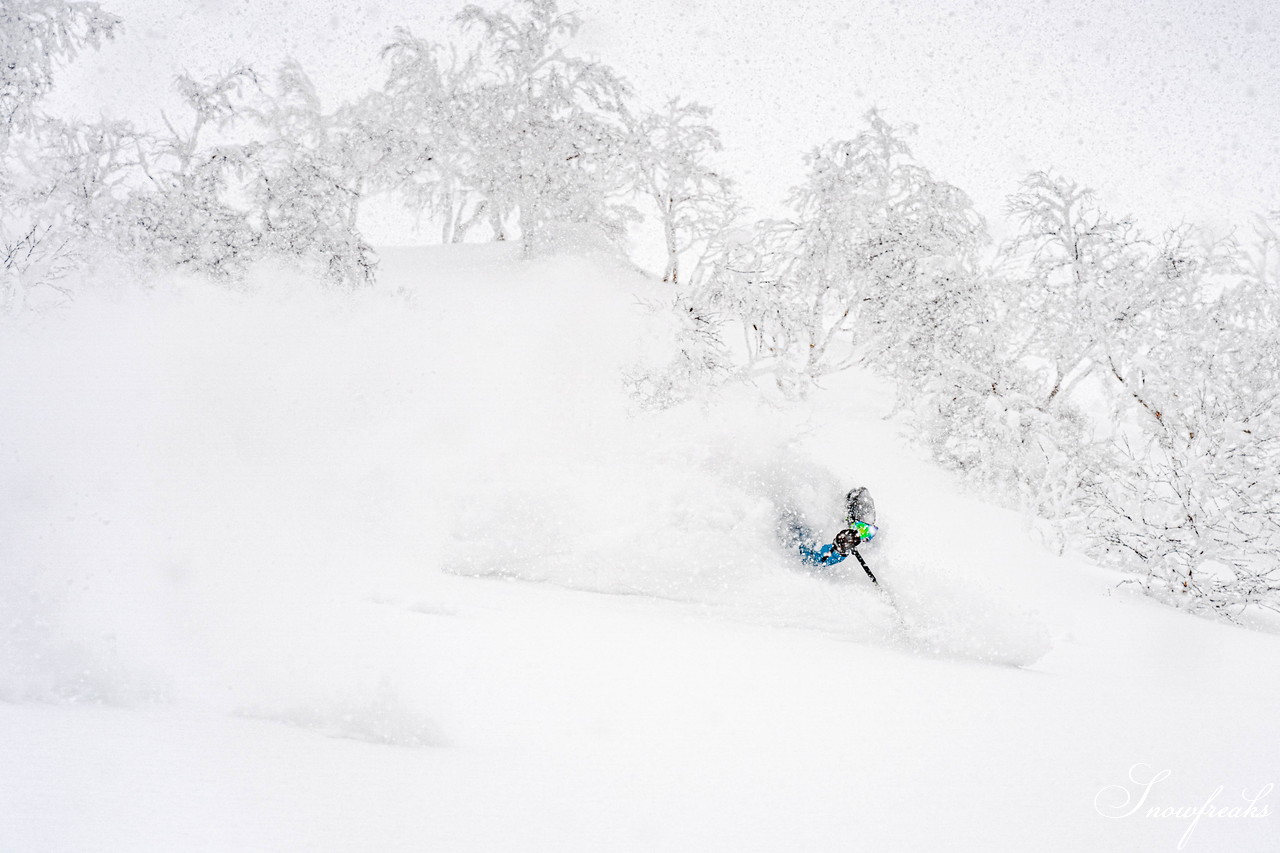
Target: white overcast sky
[[1170, 109]]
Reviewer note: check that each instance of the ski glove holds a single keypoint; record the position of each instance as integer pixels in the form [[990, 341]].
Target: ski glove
[[846, 541]]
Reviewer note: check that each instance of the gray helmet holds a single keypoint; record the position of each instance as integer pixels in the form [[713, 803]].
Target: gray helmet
[[859, 506]]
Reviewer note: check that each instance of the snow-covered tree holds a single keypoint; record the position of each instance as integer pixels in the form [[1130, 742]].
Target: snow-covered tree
[[1185, 498], [693, 200], [35, 37], [306, 180], [1189, 500], [700, 361], [911, 238], [1076, 282], [71, 179], [545, 126], [183, 216], [1263, 262], [747, 283], [425, 118], [505, 129], [251, 175], [54, 175], [878, 251], [1152, 364]]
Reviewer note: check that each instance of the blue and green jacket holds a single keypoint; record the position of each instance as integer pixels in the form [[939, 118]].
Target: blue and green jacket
[[827, 555]]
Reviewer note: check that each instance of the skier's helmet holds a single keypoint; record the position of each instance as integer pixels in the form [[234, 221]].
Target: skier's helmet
[[859, 507]]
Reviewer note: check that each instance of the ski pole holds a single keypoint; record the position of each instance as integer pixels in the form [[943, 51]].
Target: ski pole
[[863, 563]]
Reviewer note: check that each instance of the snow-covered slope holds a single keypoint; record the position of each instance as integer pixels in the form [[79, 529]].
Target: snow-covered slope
[[408, 570]]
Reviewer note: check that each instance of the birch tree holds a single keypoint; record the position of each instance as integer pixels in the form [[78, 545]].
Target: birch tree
[[877, 250], [546, 126], [36, 36], [307, 178], [183, 216], [53, 174], [425, 128], [693, 200]]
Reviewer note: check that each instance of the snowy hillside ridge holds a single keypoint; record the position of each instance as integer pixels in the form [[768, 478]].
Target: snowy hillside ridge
[[410, 568], [1112, 377]]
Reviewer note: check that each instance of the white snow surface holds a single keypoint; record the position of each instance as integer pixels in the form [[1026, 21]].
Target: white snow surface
[[291, 569]]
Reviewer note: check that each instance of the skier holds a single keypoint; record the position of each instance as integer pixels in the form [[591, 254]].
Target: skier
[[860, 517]]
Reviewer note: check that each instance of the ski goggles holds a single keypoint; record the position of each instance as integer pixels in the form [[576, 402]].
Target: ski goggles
[[865, 531]]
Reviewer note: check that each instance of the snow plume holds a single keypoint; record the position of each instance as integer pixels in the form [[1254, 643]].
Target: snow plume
[[214, 495], [192, 480], [681, 504]]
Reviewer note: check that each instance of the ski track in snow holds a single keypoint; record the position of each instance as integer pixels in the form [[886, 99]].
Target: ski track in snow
[[406, 570]]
